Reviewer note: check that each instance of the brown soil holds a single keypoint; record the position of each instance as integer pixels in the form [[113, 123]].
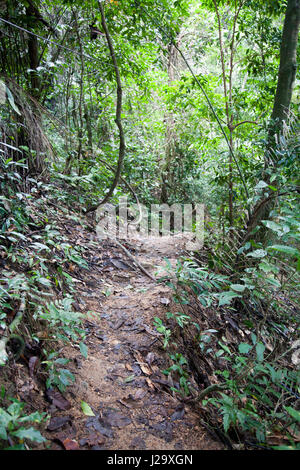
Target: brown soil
[[122, 379]]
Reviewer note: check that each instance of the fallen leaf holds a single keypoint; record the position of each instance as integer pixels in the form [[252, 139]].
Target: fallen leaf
[[119, 264], [87, 410], [123, 402], [72, 267], [100, 425], [33, 364], [116, 419], [141, 362], [118, 324], [139, 394], [95, 439], [178, 413], [150, 358], [70, 444], [58, 422], [164, 430], [56, 398], [150, 384], [138, 443]]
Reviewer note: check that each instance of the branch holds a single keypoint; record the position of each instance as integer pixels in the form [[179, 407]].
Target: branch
[[257, 210], [122, 179], [244, 122], [132, 258]]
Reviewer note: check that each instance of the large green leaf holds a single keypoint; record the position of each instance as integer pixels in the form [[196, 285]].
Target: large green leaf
[[260, 348], [12, 101], [288, 250], [29, 433], [244, 348]]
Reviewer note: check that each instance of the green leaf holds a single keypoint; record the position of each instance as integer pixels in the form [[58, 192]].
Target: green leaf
[[226, 422], [83, 349], [260, 348], [30, 433], [15, 409], [273, 282], [35, 417], [266, 267], [129, 379], [288, 250], [226, 349], [294, 413], [244, 348], [238, 287], [219, 353], [273, 226], [3, 433], [87, 410], [261, 184], [253, 338], [12, 101], [257, 254], [225, 298]]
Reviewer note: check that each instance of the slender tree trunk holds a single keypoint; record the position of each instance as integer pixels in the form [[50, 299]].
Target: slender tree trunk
[[33, 55], [166, 173], [118, 119], [87, 117], [227, 85], [81, 98]]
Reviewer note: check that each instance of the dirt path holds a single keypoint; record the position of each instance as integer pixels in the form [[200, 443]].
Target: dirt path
[[121, 379]]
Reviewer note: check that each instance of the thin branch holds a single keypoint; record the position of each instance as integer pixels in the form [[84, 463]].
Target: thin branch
[[257, 210], [222, 61], [244, 122], [46, 39], [132, 258], [122, 179]]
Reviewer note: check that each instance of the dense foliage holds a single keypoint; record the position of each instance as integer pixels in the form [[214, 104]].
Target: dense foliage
[[171, 101]]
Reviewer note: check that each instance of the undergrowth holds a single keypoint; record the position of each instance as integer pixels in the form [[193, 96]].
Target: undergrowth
[[239, 337], [36, 293]]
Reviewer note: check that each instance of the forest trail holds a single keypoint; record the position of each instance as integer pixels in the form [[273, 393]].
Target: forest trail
[[121, 380]]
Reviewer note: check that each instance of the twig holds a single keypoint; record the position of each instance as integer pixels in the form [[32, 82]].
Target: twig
[[133, 258]]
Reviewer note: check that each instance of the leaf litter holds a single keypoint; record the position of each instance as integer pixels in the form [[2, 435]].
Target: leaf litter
[[121, 381]]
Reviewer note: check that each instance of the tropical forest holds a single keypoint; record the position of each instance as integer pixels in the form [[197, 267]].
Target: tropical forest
[[149, 226]]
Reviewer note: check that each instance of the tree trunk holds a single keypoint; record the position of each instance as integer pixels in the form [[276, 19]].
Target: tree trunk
[[33, 55], [287, 67], [282, 100], [118, 118]]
